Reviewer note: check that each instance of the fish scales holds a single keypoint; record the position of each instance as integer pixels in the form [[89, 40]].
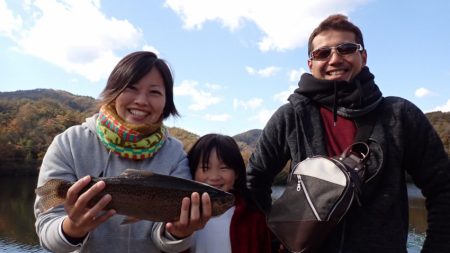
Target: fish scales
[[150, 200], [142, 195]]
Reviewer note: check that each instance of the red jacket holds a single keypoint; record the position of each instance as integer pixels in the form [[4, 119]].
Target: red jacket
[[248, 230]]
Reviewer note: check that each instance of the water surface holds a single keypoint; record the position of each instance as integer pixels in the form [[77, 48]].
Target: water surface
[[17, 233]]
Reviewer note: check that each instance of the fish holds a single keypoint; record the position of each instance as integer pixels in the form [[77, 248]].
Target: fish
[[139, 195]]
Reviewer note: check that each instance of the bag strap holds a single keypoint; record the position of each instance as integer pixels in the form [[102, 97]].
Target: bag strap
[[365, 125]]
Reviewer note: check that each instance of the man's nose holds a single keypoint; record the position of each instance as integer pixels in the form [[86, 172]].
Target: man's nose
[[335, 56]]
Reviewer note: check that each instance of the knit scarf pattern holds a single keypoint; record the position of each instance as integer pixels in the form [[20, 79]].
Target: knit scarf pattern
[[348, 99], [124, 140]]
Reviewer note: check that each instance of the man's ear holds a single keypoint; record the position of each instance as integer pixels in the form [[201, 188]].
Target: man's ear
[[310, 64], [364, 57]]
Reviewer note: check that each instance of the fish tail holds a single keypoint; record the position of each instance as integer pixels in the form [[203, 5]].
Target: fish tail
[[51, 194]]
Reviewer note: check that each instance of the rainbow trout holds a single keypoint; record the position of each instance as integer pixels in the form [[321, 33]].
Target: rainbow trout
[[140, 194]]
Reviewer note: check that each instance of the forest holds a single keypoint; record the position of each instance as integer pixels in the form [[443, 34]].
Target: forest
[[29, 120]]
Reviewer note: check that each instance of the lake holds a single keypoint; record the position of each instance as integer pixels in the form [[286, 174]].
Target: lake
[[17, 232]]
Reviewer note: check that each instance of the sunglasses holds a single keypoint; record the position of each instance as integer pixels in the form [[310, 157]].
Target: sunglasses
[[343, 49]]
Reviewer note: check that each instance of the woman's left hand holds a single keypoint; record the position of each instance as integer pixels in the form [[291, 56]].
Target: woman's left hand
[[194, 215]]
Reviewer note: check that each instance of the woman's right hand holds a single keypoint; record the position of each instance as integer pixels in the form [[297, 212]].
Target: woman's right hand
[[81, 218], [195, 213]]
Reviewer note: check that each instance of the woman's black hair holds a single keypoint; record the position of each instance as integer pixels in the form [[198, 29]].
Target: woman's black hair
[[130, 70]]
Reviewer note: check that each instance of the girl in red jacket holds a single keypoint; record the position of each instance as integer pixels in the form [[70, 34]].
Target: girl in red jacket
[[216, 160]]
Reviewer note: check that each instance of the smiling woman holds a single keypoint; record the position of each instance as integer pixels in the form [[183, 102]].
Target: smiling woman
[[128, 132], [143, 103], [134, 102]]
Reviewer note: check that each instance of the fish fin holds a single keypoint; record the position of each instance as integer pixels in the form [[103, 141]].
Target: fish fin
[[50, 194], [129, 220]]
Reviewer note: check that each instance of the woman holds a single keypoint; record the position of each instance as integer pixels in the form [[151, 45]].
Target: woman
[[126, 133], [215, 159]]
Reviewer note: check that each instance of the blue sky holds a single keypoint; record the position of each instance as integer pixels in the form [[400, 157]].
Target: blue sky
[[234, 61]]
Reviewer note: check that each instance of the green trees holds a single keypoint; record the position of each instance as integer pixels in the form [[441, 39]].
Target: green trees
[[29, 120], [441, 122], [27, 127]]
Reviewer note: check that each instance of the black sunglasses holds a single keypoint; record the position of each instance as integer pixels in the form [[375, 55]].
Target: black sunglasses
[[342, 49]]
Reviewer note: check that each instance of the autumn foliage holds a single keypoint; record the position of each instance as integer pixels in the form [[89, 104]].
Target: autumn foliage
[[29, 120]]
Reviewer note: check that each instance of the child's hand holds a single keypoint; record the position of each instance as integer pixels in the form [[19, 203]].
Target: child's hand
[[199, 215]]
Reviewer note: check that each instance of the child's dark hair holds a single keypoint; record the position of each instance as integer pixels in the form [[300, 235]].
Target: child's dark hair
[[227, 152]]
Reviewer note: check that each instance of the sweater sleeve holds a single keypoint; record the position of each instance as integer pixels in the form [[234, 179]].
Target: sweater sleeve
[[166, 242], [429, 166], [56, 164], [270, 156]]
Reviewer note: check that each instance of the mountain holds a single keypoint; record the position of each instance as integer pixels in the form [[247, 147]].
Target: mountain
[[29, 119], [247, 142], [186, 137], [249, 137], [88, 106], [75, 102]]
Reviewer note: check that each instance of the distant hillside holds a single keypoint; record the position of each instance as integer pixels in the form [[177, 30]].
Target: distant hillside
[[75, 102], [249, 137], [247, 142], [186, 137], [441, 122], [29, 119]]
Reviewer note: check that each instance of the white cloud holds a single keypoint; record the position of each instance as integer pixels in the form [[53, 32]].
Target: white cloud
[[285, 25], [263, 116], [294, 75], [252, 103], [213, 86], [265, 72], [283, 96], [250, 70], [217, 117], [201, 99], [10, 23], [151, 49], [423, 92], [74, 35], [442, 108]]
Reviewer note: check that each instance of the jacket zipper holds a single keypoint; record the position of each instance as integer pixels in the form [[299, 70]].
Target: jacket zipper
[[341, 243]]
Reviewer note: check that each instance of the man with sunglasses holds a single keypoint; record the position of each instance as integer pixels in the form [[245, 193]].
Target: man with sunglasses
[[323, 117]]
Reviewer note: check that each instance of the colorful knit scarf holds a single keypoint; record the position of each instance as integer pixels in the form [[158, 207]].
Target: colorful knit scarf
[[130, 141]]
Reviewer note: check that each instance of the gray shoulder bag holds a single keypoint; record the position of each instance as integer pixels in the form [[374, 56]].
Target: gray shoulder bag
[[319, 192]]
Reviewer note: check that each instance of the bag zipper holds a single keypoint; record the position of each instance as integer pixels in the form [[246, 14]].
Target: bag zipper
[[301, 185], [346, 189]]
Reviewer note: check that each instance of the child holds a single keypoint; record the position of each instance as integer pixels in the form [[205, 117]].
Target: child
[[216, 160]]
